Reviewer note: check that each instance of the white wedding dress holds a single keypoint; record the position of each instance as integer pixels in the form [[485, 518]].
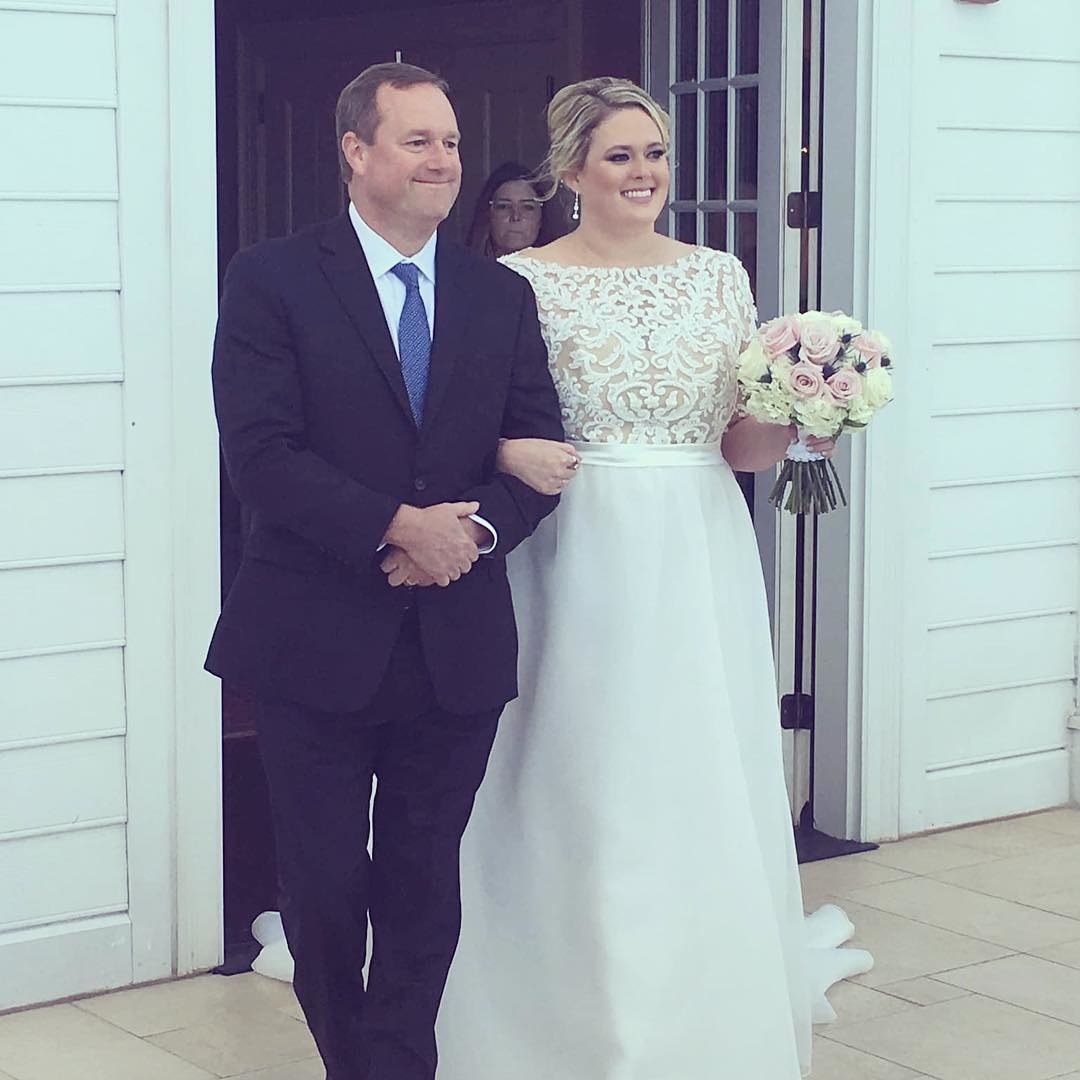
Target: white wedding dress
[[631, 901]]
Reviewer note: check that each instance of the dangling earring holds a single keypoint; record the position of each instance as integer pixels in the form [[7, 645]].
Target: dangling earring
[[575, 214]]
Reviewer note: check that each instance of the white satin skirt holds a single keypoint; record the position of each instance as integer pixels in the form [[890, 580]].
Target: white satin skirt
[[631, 900]]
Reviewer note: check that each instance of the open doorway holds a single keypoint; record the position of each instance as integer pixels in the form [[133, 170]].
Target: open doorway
[[738, 77], [279, 73]]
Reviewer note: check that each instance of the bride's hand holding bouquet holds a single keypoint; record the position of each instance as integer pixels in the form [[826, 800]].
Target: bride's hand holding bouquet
[[825, 374]]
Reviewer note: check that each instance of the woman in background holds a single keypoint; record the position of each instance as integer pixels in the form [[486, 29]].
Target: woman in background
[[508, 214]]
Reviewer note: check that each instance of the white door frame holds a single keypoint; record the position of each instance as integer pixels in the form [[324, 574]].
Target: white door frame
[[866, 253], [191, 110]]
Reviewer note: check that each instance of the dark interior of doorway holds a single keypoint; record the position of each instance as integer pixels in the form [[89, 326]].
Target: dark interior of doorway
[[591, 37]]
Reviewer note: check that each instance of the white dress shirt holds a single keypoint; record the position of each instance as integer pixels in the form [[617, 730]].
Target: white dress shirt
[[382, 257]]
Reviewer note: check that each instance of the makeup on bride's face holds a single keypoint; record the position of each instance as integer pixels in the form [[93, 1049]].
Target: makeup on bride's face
[[626, 171]]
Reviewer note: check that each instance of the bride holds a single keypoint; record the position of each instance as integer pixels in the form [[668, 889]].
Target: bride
[[631, 899]]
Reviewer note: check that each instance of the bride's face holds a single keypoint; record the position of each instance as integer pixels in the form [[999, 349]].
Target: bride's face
[[625, 177]]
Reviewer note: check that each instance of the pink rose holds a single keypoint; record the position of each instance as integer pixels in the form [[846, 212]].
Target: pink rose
[[818, 342], [844, 385], [805, 381], [871, 346], [780, 335]]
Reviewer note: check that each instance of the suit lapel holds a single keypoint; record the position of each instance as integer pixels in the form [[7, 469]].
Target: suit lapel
[[347, 271], [451, 321]]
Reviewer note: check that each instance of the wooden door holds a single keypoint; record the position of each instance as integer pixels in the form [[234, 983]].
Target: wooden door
[[501, 60]]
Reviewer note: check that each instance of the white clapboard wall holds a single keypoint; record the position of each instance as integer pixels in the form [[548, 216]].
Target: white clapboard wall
[[87, 487], [995, 260]]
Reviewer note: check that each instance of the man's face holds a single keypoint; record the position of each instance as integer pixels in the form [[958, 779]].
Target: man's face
[[412, 171]]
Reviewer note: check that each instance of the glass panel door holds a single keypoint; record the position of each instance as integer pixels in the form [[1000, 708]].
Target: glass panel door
[[710, 80]]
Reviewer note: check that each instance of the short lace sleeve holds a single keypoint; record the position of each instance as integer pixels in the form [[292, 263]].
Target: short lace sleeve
[[740, 300]]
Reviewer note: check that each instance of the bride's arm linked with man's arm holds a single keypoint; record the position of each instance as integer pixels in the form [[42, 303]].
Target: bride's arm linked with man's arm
[[545, 465]]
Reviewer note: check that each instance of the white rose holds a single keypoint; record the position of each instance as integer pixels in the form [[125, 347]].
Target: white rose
[[878, 388], [845, 324], [754, 362]]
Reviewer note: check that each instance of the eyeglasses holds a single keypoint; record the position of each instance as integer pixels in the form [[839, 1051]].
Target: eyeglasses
[[526, 208]]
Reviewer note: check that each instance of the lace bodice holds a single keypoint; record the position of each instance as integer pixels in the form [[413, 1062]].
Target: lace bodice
[[644, 354]]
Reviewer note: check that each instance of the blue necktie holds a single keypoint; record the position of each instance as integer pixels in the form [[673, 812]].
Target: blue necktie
[[414, 339]]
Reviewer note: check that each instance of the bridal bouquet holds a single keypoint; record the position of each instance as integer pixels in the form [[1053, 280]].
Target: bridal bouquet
[[825, 373]]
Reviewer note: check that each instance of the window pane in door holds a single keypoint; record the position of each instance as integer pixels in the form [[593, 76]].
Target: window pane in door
[[686, 227], [686, 40], [686, 146], [746, 45], [746, 142], [716, 145], [716, 39], [716, 230]]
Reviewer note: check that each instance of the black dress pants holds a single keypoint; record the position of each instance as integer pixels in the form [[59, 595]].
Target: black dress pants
[[428, 764]]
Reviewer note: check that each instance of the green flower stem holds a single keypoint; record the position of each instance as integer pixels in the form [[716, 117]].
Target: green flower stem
[[808, 487]]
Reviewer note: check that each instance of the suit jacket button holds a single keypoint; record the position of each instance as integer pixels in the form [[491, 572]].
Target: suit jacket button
[[420, 484]]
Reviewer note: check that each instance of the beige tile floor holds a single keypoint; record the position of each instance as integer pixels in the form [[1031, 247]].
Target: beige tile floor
[[976, 934]]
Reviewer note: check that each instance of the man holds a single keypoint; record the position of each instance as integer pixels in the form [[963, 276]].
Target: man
[[364, 371]]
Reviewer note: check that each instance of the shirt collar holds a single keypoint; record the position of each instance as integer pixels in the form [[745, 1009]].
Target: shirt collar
[[382, 256]]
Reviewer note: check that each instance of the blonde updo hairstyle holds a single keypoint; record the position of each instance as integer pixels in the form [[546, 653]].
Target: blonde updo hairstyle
[[575, 113]]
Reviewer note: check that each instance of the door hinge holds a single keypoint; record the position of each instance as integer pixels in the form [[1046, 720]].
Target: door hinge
[[797, 712], [804, 210]]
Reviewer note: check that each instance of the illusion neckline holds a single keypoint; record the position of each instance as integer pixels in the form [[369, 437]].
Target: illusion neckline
[[693, 253]]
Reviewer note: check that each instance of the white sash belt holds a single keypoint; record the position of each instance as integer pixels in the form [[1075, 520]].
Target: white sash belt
[[648, 456]]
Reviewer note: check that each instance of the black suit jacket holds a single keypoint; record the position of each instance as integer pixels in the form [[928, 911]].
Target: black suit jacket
[[321, 447]]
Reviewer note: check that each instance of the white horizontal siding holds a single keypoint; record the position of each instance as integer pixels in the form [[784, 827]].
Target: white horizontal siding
[[56, 518], [983, 375], [65, 335], [981, 657], [999, 234], [57, 697], [995, 515], [997, 724], [60, 427], [1019, 305], [999, 274], [1046, 28], [61, 150], [59, 244], [1004, 444], [1000, 583], [1005, 161], [93, 259], [61, 607], [980, 90], [85, 787], [90, 7], [62, 876], [50, 56]]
